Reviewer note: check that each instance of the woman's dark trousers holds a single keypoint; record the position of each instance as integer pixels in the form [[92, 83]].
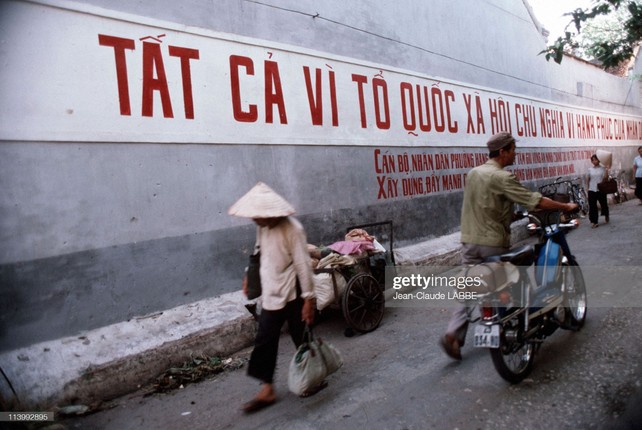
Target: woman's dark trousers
[[594, 197], [266, 346]]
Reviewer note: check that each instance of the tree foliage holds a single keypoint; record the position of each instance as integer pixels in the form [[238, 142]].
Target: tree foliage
[[610, 47]]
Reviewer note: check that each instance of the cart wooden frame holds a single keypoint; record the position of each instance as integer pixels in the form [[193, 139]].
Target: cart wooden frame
[[363, 300]]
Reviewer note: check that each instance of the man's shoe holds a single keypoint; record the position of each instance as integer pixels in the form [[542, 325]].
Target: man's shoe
[[451, 346]]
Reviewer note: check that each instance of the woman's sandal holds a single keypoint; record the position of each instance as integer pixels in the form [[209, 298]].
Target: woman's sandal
[[256, 405], [314, 390]]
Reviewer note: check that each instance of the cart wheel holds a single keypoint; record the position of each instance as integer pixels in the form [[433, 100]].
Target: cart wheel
[[363, 303]]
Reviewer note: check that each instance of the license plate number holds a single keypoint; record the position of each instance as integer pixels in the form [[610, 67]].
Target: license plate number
[[486, 336]]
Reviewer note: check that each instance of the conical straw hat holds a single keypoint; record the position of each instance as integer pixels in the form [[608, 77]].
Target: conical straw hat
[[605, 157], [261, 202]]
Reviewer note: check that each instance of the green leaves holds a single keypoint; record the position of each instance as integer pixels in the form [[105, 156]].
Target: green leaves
[[558, 48], [608, 32]]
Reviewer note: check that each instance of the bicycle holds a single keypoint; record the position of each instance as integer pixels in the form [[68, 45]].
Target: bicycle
[[567, 190], [621, 195], [581, 198]]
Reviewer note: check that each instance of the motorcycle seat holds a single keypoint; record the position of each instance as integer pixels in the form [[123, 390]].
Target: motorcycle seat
[[521, 256]]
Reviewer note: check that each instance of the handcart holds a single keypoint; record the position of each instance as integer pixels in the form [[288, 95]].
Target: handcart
[[362, 300]]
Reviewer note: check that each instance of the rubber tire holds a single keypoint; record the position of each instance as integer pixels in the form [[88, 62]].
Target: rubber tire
[[505, 370], [363, 303], [575, 303]]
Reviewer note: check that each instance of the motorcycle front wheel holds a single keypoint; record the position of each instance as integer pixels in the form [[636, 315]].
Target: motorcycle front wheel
[[513, 360], [574, 295]]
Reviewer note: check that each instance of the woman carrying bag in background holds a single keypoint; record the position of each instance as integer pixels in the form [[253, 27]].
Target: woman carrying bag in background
[[596, 174]]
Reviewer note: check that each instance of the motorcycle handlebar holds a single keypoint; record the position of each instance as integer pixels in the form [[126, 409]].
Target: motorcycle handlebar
[[534, 227], [517, 215], [571, 224], [575, 210]]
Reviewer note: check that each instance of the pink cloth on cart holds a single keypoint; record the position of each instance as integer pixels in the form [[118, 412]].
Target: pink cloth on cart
[[348, 247]]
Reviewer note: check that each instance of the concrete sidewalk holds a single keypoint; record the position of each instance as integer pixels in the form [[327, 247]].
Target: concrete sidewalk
[[111, 361]]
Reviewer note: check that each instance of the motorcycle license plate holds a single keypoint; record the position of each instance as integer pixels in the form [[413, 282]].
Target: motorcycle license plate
[[486, 336]]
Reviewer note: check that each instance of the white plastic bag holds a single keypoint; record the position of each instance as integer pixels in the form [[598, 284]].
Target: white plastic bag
[[331, 356], [307, 368]]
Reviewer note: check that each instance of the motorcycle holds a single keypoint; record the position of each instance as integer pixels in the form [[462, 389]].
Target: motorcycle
[[533, 290]]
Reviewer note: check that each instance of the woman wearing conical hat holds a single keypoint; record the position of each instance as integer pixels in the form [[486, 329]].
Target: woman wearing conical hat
[[286, 281]]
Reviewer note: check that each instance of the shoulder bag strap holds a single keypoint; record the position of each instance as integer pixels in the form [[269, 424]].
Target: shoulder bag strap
[[257, 243]]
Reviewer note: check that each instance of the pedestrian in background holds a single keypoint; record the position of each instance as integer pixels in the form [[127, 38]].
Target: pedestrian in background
[[486, 216], [637, 171], [596, 174], [286, 282]]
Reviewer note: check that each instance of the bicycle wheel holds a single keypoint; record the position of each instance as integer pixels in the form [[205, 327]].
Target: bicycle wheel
[[624, 197], [617, 197], [622, 186], [582, 200]]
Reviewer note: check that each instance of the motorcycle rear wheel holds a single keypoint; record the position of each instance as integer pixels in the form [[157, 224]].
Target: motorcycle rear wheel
[[513, 360], [574, 295]]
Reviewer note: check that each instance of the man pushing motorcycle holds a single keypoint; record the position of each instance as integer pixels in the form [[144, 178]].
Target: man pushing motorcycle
[[486, 215]]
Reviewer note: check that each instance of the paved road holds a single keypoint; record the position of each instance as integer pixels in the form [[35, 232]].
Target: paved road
[[398, 378]]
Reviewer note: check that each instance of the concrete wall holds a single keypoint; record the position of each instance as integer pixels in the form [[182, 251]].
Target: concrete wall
[[105, 215]]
